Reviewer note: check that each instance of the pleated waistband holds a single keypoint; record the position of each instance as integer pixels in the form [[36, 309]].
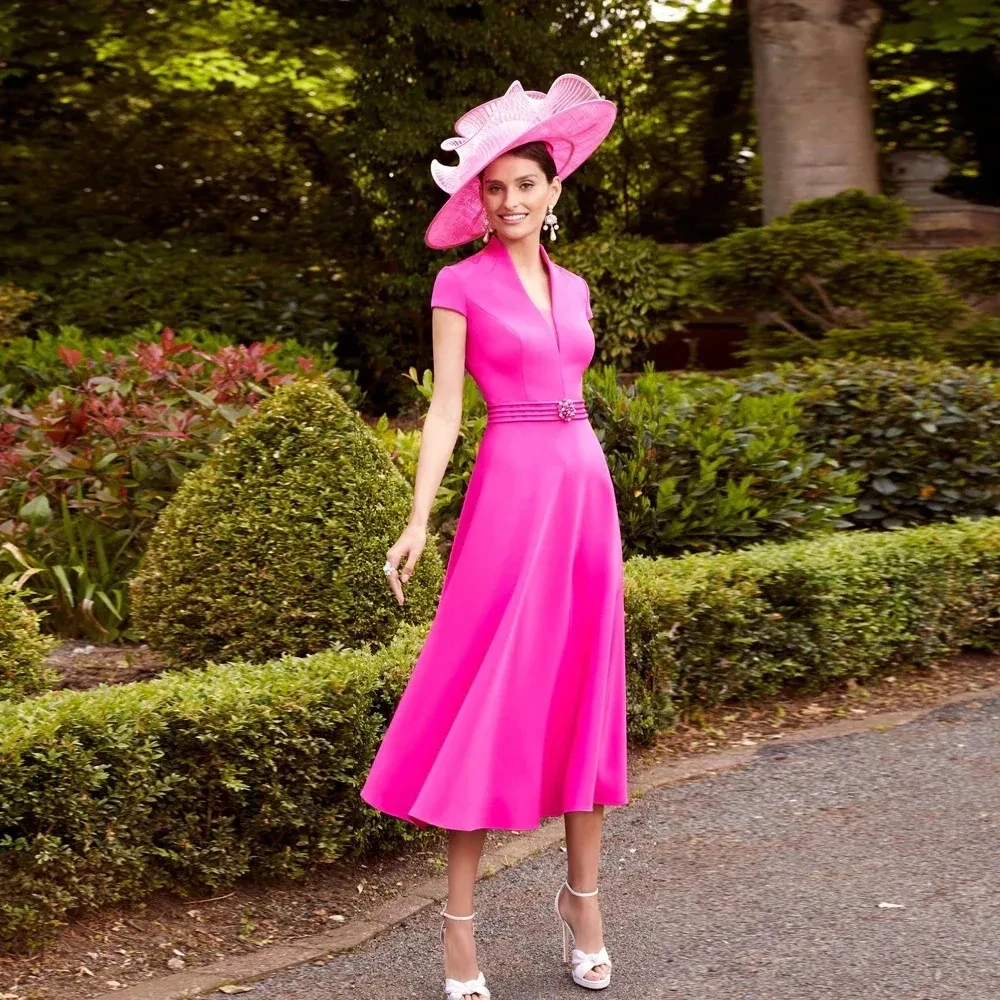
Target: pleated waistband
[[536, 409]]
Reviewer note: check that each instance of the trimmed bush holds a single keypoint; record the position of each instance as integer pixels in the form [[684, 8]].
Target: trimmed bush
[[925, 436], [825, 267], [202, 776], [810, 614], [276, 543], [882, 340], [193, 779], [22, 649], [977, 343], [972, 271]]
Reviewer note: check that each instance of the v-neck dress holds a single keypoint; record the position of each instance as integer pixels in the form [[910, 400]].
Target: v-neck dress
[[515, 709]]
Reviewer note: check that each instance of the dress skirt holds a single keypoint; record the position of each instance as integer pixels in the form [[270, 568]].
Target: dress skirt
[[515, 709]]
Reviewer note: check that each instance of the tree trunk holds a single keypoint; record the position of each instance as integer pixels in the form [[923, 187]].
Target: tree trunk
[[813, 98]]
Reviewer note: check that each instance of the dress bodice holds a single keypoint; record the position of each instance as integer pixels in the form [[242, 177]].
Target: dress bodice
[[512, 350]]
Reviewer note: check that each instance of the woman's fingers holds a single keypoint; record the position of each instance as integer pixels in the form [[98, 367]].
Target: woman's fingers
[[407, 570], [394, 556], [402, 573]]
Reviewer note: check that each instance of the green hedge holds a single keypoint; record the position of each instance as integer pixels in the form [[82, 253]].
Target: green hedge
[[924, 435], [22, 649], [276, 543], [813, 613], [199, 777], [195, 778]]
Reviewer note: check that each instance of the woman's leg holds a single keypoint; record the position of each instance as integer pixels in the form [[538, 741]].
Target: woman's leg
[[583, 855], [464, 850]]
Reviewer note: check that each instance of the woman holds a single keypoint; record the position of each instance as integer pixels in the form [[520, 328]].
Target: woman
[[516, 706]]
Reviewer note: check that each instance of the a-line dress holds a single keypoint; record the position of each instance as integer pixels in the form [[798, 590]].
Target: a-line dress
[[515, 709]]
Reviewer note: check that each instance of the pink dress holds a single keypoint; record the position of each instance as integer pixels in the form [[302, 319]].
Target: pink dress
[[515, 709]]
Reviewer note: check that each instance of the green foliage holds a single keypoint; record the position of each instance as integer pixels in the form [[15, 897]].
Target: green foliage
[[30, 367], [640, 293], [14, 303], [932, 310], [976, 342], [247, 295], [275, 545], [139, 123], [749, 269], [823, 268], [696, 465], [926, 436], [882, 340], [22, 649], [972, 271], [810, 614], [949, 25], [868, 219], [680, 166], [699, 465], [196, 778]]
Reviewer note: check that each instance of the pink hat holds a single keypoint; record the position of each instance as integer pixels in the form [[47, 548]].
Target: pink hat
[[572, 119]]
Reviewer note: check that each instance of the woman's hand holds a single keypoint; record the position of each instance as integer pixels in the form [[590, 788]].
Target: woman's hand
[[408, 546]]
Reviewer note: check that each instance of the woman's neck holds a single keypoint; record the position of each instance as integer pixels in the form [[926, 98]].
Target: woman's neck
[[525, 254]]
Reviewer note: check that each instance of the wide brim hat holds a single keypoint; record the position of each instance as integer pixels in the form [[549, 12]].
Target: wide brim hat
[[572, 119]]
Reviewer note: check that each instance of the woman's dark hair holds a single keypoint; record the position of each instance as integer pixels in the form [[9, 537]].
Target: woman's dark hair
[[537, 152]]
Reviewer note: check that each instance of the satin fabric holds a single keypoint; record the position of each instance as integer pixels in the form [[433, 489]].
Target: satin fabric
[[515, 709]]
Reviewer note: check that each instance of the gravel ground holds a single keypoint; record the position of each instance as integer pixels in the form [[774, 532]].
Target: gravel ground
[[760, 884]]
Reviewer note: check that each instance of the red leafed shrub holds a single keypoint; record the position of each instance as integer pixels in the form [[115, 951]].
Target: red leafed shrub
[[84, 473]]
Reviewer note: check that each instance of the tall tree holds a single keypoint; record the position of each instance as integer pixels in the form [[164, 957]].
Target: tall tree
[[813, 98]]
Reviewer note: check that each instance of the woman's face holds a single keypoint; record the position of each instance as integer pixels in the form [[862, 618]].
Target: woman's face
[[516, 194]]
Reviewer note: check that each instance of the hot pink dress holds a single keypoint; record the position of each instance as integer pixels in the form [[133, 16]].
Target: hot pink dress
[[515, 709]]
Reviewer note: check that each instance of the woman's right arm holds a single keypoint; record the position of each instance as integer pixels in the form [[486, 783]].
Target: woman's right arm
[[437, 440]]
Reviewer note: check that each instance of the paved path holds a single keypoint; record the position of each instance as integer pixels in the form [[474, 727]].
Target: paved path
[[757, 884]]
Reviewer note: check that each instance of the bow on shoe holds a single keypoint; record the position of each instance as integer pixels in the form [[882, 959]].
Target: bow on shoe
[[584, 963], [458, 990]]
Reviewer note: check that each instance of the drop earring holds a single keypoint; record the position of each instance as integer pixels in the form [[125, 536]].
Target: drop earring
[[551, 223], [489, 229]]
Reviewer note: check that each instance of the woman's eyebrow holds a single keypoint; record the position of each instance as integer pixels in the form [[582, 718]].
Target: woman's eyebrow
[[525, 177]]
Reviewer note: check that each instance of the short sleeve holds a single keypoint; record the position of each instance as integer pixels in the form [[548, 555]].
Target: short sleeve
[[448, 292], [590, 312]]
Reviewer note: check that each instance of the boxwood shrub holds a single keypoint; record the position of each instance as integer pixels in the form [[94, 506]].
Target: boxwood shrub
[[812, 613], [202, 776], [22, 649], [276, 543], [924, 435], [194, 778]]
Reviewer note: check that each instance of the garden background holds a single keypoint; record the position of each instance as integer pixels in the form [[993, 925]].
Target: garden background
[[214, 354]]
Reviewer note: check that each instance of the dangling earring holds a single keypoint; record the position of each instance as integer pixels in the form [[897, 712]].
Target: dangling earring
[[489, 228], [551, 223]]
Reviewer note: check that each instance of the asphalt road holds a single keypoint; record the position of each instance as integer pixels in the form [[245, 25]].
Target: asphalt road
[[759, 884]]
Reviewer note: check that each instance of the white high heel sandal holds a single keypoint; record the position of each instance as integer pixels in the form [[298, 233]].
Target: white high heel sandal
[[581, 962], [455, 989]]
